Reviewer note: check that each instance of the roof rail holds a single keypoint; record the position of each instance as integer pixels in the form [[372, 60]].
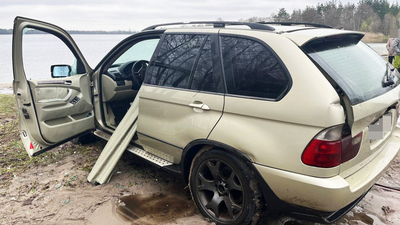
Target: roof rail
[[297, 23], [217, 24]]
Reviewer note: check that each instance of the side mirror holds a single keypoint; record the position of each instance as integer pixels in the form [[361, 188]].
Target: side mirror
[[58, 71]]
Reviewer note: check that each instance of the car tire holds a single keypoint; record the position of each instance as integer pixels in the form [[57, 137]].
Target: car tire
[[224, 188]]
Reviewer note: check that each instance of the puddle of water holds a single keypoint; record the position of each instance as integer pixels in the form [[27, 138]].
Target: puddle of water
[[154, 209], [368, 219], [377, 221]]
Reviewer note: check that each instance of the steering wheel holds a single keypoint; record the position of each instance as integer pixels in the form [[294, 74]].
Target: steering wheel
[[138, 71]]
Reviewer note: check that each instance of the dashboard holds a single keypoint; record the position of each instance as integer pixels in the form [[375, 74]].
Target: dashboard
[[121, 71], [117, 82]]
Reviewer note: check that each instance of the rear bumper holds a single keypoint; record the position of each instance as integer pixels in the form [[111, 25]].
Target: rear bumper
[[319, 216], [330, 195]]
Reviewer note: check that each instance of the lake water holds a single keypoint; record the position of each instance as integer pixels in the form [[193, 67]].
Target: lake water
[[39, 53], [93, 47]]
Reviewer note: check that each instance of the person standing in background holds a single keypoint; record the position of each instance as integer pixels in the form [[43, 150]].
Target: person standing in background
[[389, 47], [396, 49]]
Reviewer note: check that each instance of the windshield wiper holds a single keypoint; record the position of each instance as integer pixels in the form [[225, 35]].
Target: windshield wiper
[[388, 78]]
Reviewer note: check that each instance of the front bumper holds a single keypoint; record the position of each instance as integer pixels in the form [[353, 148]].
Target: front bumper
[[330, 195]]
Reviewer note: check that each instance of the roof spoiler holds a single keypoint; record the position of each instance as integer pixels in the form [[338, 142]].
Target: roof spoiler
[[356, 37]]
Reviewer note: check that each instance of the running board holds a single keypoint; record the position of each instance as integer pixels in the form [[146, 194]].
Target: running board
[[137, 151], [149, 157], [102, 135]]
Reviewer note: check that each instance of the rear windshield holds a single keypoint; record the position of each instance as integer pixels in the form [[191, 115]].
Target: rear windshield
[[354, 66]]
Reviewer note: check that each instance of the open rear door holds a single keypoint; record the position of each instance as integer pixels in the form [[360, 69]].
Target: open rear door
[[56, 105], [369, 87]]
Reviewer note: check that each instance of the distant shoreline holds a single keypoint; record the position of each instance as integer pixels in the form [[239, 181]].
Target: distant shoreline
[[368, 38], [5, 85]]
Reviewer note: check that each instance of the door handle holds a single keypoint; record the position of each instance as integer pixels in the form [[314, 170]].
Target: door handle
[[205, 107], [200, 105], [196, 104]]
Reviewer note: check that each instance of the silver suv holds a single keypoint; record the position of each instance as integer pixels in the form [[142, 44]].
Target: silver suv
[[256, 117]]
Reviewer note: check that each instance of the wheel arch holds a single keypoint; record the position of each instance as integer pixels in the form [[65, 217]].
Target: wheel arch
[[190, 151], [273, 204]]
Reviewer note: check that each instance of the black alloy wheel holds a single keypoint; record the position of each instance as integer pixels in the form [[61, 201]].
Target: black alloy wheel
[[224, 188]]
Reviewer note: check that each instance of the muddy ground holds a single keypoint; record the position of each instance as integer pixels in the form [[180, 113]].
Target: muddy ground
[[52, 188]]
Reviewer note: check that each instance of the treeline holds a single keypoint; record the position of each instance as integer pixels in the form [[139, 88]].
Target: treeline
[[101, 32], [5, 31], [378, 16], [32, 31]]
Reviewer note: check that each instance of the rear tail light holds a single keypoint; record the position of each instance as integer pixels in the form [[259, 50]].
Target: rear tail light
[[329, 148], [321, 153], [350, 146]]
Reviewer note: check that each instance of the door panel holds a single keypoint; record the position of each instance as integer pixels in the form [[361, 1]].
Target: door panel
[[170, 119], [182, 97], [51, 110], [62, 110], [52, 94]]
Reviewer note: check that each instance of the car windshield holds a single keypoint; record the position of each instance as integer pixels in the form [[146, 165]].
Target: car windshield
[[142, 50], [354, 66]]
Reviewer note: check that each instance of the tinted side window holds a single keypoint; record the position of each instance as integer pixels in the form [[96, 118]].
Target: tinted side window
[[204, 78], [175, 60], [251, 69]]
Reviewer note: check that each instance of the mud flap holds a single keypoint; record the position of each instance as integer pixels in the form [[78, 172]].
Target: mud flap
[[116, 146]]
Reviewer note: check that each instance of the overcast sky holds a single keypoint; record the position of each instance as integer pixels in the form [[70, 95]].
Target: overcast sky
[[136, 15]]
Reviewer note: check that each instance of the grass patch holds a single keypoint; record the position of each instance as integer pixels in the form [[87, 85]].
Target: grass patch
[[7, 104]]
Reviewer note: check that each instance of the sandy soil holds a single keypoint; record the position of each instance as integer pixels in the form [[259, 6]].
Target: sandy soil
[[5, 85], [52, 189], [58, 193], [141, 194]]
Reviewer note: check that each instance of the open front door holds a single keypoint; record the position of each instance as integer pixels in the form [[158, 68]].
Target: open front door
[[51, 85]]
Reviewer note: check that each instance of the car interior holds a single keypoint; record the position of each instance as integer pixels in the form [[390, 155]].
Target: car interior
[[121, 80]]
